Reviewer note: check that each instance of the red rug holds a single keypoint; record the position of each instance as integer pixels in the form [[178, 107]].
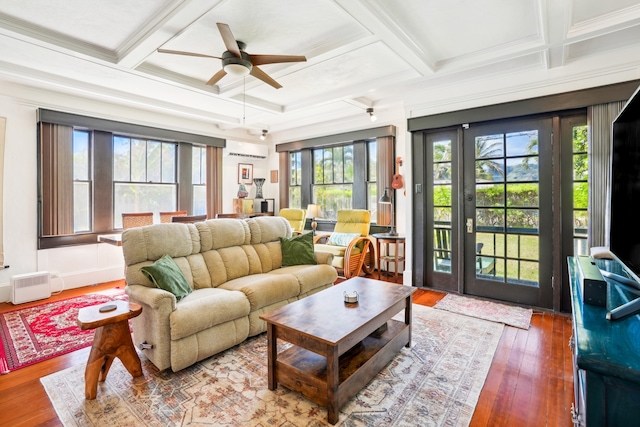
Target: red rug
[[34, 334]]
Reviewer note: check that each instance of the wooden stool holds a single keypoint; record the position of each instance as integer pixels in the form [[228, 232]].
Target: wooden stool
[[112, 339]]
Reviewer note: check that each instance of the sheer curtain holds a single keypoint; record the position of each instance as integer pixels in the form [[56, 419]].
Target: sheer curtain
[[386, 161], [600, 119], [214, 181]]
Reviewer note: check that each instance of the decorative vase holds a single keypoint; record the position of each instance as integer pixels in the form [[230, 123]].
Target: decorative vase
[[259, 183], [242, 192]]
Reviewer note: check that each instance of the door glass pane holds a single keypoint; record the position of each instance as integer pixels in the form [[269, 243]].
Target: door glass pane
[[519, 220], [490, 195], [522, 143], [522, 195], [580, 145], [522, 169], [489, 171], [442, 206], [490, 146], [490, 219]]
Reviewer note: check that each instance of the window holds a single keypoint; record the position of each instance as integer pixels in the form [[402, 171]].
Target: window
[[199, 180], [144, 175], [295, 183], [81, 181], [372, 174], [332, 179], [91, 170], [580, 190]]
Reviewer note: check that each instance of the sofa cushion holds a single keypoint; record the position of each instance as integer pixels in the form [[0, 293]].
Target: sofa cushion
[[265, 289], [205, 308], [297, 250], [268, 229], [310, 276], [165, 274]]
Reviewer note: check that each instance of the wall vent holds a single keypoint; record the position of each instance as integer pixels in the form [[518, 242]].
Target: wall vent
[[246, 149], [30, 287]]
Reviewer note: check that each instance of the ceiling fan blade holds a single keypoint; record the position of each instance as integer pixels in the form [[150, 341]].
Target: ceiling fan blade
[[259, 74], [178, 52], [216, 77], [229, 41], [275, 59]]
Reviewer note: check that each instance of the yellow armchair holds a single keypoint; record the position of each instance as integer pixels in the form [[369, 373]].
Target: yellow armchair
[[296, 218], [352, 248]]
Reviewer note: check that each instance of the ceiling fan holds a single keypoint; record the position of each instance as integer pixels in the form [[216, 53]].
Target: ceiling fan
[[238, 62]]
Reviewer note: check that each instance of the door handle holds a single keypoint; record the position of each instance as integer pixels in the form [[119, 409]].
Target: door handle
[[470, 225]]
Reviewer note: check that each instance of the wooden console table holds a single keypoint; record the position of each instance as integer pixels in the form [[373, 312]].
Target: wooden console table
[[337, 347], [112, 339]]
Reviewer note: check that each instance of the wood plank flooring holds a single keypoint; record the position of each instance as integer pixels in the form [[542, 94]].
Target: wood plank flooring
[[530, 382]]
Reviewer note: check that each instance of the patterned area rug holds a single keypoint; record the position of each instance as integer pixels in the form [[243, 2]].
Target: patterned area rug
[[493, 311], [434, 383], [31, 335]]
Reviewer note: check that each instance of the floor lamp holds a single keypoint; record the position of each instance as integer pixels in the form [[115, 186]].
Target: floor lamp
[[387, 199]]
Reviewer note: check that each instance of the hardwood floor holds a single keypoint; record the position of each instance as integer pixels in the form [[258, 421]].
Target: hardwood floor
[[530, 382]]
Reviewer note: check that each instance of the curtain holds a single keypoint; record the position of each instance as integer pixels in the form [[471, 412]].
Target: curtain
[[600, 119], [3, 126], [56, 152], [386, 162], [214, 181]]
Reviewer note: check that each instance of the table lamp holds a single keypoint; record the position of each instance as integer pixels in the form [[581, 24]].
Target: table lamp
[[387, 199], [313, 211]]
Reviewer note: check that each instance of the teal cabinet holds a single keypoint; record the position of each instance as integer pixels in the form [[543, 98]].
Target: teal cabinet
[[606, 356]]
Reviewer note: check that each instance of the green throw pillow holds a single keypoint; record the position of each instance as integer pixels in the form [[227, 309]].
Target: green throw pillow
[[165, 274], [297, 250]]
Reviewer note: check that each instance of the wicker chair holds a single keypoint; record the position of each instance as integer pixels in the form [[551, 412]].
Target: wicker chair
[[166, 216], [352, 248], [296, 218], [138, 219]]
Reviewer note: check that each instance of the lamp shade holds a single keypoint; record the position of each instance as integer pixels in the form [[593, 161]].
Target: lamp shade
[[313, 210], [385, 199]]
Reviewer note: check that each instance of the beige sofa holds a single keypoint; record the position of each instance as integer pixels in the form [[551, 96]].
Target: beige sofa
[[235, 270]]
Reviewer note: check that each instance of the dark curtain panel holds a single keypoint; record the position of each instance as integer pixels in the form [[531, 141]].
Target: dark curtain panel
[[56, 179]]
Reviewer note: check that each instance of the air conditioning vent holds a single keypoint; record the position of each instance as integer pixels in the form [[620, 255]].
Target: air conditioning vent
[[246, 149], [30, 287]]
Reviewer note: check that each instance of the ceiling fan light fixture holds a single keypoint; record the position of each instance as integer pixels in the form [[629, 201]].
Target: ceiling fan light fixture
[[236, 70], [372, 116]]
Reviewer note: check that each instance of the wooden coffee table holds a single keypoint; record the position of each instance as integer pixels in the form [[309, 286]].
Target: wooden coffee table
[[338, 347]]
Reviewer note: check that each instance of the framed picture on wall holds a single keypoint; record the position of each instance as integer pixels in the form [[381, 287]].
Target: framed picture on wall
[[245, 173]]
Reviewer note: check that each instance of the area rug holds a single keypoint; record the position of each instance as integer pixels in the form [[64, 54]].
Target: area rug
[[31, 335], [436, 382], [509, 315]]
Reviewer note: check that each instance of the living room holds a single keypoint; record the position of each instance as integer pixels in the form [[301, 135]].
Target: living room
[[404, 62]]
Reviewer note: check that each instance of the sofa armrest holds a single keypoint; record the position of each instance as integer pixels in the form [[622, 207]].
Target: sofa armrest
[[154, 298], [323, 257]]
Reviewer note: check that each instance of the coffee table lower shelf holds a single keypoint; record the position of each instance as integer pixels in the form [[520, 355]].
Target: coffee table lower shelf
[[305, 371]]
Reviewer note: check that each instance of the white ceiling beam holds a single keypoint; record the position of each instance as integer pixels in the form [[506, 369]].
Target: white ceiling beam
[[369, 15], [174, 19]]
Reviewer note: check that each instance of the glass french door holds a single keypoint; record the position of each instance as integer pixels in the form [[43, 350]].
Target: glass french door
[[508, 217]]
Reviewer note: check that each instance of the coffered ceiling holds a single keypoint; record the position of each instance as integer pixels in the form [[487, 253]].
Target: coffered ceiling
[[404, 58]]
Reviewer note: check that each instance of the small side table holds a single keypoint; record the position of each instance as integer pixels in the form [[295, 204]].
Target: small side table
[[112, 339], [396, 258]]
